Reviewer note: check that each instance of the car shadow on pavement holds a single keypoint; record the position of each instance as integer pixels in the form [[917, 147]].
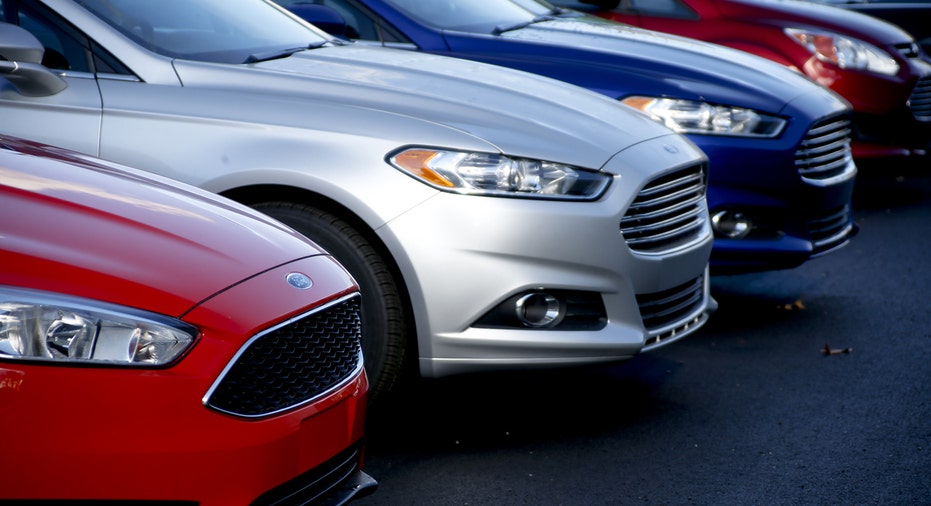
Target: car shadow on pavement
[[495, 410]]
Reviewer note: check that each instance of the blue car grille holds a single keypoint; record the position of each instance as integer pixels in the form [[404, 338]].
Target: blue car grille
[[293, 363], [670, 313], [920, 101], [824, 153], [831, 230], [668, 213]]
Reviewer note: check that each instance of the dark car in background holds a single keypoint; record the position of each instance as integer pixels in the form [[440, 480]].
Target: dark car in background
[[159, 343], [781, 174], [876, 66]]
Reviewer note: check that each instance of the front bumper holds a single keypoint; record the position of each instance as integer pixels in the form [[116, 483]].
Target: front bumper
[[111, 433], [463, 257]]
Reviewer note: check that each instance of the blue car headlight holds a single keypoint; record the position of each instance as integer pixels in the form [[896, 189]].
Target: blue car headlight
[[695, 117], [494, 174], [44, 326], [845, 52]]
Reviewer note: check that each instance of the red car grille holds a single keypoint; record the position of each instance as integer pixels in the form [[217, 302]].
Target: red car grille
[[668, 213], [293, 363]]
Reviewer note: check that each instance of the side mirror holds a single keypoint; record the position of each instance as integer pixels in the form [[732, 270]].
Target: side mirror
[[20, 63], [321, 16]]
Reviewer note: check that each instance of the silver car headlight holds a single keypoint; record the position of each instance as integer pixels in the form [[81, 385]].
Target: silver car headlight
[[42, 326], [499, 175], [695, 117], [845, 52]]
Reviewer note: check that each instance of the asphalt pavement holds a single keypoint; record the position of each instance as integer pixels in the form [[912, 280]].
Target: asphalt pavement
[[751, 410]]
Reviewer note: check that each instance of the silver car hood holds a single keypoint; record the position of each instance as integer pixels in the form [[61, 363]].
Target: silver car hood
[[417, 97]]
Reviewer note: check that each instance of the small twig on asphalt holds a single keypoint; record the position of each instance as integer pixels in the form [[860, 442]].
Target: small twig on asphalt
[[827, 350]]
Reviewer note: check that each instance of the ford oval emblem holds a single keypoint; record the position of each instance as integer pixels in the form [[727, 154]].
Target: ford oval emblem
[[299, 281]]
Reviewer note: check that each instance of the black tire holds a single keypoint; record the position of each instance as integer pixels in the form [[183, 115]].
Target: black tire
[[384, 322]]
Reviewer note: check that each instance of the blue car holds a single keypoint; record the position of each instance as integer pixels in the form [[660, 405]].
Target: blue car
[[782, 174]]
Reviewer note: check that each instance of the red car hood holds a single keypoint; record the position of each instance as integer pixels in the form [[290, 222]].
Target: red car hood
[[79, 226], [814, 15]]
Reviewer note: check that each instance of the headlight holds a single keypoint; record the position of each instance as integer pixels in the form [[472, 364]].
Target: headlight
[[845, 52], [693, 117], [499, 175], [50, 327]]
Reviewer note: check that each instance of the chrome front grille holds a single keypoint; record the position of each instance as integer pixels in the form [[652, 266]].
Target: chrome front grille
[[824, 155], [668, 213], [920, 101], [831, 230], [293, 363], [669, 314]]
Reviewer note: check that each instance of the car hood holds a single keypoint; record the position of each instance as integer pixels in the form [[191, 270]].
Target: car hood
[[82, 227], [796, 14], [413, 97], [635, 61]]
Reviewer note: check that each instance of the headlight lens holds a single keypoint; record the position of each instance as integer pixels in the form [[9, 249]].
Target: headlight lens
[[50, 327], [694, 117], [499, 175], [845, 52]]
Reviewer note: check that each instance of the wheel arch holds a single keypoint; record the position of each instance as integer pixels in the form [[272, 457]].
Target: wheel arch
[[254, 194]]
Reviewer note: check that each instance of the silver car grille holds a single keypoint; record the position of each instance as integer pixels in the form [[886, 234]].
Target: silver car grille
[[669, 314], [824, 153], [920, 101], [293, 363], [668, 213]]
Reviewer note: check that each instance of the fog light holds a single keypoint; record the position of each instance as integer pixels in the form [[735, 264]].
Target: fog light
[[731, 224], [537, 309]]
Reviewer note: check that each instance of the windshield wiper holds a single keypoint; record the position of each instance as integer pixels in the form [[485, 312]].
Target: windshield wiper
[[517, 26], [281, 53]]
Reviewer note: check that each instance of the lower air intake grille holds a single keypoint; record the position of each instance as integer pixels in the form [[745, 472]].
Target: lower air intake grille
[[831, 230], [920, 101], [292, 364], [662, 309], [668, 213]]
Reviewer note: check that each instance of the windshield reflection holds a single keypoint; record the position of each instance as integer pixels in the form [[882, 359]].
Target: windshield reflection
[[219, 31], [470, 15]]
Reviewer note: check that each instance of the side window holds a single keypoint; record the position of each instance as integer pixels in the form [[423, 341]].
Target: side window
[[658, 8], [66, 48], [361, 23]]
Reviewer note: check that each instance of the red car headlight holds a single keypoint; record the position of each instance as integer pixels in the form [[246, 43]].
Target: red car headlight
[[845, 52], [44, 326]]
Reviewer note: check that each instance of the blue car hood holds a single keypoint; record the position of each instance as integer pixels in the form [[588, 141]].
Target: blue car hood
[[619, 60]]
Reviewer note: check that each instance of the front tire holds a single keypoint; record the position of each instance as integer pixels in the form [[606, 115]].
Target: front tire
[[384, 320]]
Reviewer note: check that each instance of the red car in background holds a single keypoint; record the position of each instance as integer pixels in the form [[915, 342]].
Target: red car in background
[[160, 343], [876, 66]]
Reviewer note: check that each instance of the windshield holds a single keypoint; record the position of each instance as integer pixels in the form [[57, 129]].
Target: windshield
[[472, 15], [221, 31]]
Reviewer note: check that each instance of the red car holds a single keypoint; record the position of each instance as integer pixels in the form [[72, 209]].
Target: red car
[[876, 66], [159, 343]]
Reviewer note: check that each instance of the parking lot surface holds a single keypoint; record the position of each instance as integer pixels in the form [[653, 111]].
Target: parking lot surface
[[808, 386]]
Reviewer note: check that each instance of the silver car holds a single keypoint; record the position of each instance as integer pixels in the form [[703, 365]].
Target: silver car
[[492, 218]]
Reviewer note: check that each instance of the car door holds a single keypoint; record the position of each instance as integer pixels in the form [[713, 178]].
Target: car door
[[72, 117]]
